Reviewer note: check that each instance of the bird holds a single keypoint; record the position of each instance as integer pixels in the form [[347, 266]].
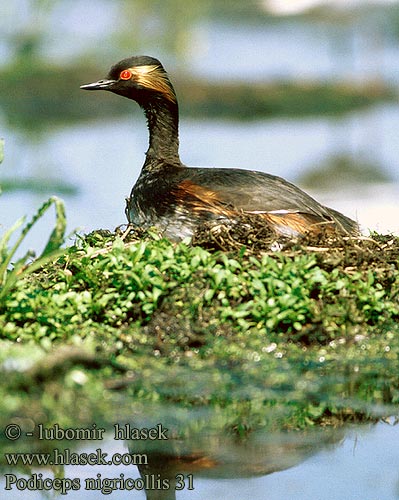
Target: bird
[[177, 199]]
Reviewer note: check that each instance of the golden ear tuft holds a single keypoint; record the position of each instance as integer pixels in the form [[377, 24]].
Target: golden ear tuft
[[154, 78]]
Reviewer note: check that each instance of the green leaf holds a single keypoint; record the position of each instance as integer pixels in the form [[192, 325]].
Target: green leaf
[[1, 149], [9, 278], [57, 236]]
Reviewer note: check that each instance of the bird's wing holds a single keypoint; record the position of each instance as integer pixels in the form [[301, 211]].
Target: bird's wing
[[250, 191], [285, 207]]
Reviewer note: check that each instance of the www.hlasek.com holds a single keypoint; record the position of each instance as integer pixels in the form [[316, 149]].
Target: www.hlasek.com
[[68, 457]]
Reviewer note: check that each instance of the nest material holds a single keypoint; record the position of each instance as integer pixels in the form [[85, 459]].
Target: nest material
[[250, 234]]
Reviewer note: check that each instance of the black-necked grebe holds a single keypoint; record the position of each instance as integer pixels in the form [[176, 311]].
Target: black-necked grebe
[[176, 198]]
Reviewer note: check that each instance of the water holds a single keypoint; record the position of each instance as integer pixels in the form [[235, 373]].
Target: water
[[351, 464], [355, 50], [103, 160]]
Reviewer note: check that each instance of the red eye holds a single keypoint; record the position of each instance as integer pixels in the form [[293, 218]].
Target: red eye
[[125, 75]]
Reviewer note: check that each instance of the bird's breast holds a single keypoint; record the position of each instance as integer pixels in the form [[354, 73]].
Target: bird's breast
[[175, 207]]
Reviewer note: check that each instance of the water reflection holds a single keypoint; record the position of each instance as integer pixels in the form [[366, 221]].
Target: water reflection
[[225, 458], [344, 463]]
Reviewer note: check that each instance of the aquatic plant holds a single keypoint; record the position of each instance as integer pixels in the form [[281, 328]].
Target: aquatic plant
[[23, 265]]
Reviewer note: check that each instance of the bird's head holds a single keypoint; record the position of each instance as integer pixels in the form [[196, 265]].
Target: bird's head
[[141, 78]]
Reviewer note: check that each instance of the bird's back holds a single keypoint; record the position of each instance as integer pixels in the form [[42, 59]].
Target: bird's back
[[177, 199]]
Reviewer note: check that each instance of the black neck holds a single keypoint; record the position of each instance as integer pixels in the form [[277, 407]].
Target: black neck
[[163, 125]]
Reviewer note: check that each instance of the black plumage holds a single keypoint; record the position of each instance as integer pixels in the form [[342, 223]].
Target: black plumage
[[176, 198]]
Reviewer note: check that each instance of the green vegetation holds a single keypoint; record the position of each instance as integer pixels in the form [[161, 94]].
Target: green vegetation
[[1, 151], [8, 278], [220, 339], [281, 98], [37, 185], [345, 170], [236, 340], [44, 102]]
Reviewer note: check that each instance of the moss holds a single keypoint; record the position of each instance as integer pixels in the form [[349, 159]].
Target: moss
[[258, 338]]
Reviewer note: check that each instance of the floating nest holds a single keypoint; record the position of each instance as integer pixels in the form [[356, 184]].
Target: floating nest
[[251, 237], [256, 238]]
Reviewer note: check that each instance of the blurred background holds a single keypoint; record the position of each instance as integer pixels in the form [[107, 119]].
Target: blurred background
[[304, 89]]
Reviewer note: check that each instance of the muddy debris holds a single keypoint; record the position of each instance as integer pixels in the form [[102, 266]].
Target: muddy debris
[[251, 236]]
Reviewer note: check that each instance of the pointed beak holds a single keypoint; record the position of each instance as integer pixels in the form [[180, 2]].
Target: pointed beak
[[100, 85]]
